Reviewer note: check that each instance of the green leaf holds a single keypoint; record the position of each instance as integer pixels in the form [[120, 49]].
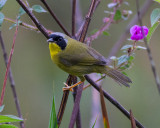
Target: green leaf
[[94, 31], [140, 47], [21, 12], [1, 108], [38, 8], [8, 126], [94, 123], [155, 15], [1, 19], [151, 30], [14, 25], [9, 118], [157, 1], [106, 33], [130, 58], [118, 15], [2, 3], [53, 118], [126, 47], [125, 73], [122, 59]]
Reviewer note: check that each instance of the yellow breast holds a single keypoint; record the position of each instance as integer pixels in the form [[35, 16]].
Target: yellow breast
[[54, 50]]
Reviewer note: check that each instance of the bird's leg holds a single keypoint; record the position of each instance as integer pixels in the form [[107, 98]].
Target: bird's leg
[[70, 87]]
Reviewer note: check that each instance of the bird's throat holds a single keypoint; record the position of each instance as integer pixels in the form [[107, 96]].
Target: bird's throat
[[54, 50]]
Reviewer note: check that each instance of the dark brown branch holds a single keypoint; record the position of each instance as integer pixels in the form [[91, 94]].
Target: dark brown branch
[[64, 101], [123, 37], [73, 17], [34, 19], [55, 18], [113, 101], [82, 25], [11, 80], [87, 21], [156, 77]]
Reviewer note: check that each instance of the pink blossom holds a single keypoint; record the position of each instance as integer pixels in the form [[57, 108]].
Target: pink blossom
[[136, 32]]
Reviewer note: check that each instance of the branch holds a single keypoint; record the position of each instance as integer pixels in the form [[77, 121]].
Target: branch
[[8, 67], [123, 37], [73, 17], [103, 28], [25, 25], [55, 17], [149, 51], [34, 19], [64, 101], [113, 101], [87, 21]]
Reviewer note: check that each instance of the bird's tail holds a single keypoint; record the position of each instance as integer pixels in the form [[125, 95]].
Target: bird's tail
[[118, 76]]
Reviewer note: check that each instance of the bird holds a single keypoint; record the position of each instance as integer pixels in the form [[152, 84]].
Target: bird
[[79, 59]]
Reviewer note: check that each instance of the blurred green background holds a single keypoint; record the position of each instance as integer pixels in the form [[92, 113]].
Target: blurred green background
[[38, 79]]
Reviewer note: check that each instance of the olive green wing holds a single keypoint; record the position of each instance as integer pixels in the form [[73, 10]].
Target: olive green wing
[[81, 55]]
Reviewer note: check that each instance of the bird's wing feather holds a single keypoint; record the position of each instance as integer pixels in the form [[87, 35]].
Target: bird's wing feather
[[83, 55]]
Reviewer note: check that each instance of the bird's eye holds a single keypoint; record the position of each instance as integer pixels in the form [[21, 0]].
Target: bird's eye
[[60, 39]]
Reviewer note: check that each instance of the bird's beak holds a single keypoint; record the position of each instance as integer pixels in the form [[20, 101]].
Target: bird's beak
[[50, 40]]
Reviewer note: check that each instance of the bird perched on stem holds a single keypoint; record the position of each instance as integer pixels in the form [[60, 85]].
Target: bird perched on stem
[[78, 59]]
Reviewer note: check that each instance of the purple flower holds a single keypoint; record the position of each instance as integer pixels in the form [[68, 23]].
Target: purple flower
[[136, 32]]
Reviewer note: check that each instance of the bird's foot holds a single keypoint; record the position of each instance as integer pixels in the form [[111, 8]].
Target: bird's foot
[[69, 88]]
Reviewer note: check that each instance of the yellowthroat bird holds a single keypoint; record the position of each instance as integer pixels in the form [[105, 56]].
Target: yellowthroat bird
[[78, 59]]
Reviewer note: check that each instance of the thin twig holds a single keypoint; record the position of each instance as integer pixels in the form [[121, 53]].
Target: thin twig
[[113, 101], [82, 25], [87, 21], [25, 25], [8, 67], [103, 28], [123, 37], [133, 123], [153, 67], [12, 82], [73, 17], [34, 19], [64, 101], [8, 71], [55, 18]]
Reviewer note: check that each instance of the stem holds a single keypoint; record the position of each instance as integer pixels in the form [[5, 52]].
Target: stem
[[87, 21], [64, 101], [23, 24], [73, 17], [55, 17]]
